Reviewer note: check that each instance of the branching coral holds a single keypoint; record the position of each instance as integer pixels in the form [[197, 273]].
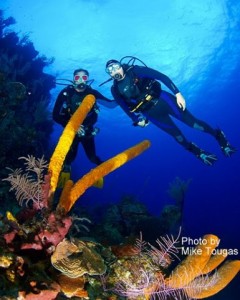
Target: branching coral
[[29, 184], [177, 189], [100, 171]]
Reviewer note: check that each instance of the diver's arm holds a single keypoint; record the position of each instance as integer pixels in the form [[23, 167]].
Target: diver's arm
[[59, 116], [153, 74], [104, 100]]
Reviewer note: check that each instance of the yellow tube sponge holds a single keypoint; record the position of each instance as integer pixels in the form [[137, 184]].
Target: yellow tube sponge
[[192, 266], [215, 261], [66, 139], [224, 275], [100, 171]]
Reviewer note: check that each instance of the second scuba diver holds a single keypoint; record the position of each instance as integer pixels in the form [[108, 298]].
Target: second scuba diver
[[137, 90]]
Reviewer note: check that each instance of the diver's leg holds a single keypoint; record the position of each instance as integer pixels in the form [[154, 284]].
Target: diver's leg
[[159, 115], [190, 120], [227, 149], [90, 150]]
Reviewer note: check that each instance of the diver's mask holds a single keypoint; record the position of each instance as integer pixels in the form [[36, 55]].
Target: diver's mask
[[115, 70], [80, 81]]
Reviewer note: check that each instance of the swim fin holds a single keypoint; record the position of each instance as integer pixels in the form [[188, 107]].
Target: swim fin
[[227, 149], [206, 157], [99, 183], [64, 176]]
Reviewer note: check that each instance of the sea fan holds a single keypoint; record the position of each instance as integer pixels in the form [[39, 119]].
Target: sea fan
[[28, 183]]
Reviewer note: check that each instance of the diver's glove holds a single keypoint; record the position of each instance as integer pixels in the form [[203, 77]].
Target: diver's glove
[[180, 101], [95, 131], [81, 131], [141, 122]]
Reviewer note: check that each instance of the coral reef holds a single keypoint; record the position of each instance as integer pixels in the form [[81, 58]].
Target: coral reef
[[172, 215], [41, 228], [25, 124], [39, 257], [144, 273], [77, 258]]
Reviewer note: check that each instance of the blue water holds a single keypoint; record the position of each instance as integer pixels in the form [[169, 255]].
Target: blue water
[[198, 47]]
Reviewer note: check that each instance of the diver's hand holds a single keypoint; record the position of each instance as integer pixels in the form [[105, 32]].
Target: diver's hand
[[81, 131], [181, 101], [142, 122]]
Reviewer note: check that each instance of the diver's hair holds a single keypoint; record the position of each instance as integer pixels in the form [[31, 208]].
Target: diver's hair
[[81, 70]]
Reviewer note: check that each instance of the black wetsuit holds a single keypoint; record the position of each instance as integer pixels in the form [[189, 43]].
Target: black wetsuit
[[66, 104], [141, 81]]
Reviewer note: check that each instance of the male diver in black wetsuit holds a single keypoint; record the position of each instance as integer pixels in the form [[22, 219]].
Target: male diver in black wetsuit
[[66, 104], [137, 91]]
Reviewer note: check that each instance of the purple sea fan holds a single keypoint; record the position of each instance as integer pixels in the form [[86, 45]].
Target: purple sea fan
[[166, 251], [150, 285], [28, 184]]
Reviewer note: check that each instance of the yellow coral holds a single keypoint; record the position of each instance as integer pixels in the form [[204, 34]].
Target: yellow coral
[[72, 287], [192, 266], [66, 139], [6, 260], [100, 171], [10, 217]]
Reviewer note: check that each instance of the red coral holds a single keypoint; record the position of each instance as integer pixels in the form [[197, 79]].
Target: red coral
[[52, 236], [9, 237], [46, 294]]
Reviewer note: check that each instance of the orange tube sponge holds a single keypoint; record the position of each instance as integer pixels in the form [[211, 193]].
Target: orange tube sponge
[[66, 139], [100, 171], [215, 261], [224, 275], [192, 266]]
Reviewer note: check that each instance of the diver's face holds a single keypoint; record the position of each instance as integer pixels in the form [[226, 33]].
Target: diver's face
[[80, 80], [115, 70]]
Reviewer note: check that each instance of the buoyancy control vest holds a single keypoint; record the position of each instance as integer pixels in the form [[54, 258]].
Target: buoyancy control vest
[[138, 93]]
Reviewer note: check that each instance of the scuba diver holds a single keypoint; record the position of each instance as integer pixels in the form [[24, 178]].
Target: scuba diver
[[66, 104], [137, 90]]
